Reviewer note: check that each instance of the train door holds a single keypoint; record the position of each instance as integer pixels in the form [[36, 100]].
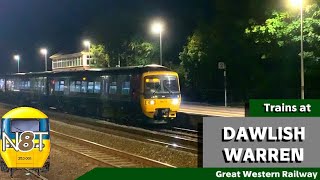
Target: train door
[[105, 86], [106, 107]]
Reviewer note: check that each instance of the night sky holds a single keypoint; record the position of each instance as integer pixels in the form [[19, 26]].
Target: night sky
[[61, 25]]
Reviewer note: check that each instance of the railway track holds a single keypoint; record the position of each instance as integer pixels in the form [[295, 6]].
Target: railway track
[[171, 139], [177, 131], [34, 173], [103, 155]]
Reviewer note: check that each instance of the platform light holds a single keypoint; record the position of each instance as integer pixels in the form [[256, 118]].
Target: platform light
[[44, 52], [296, 3], [87, 44], [157, 27], [17, 58]]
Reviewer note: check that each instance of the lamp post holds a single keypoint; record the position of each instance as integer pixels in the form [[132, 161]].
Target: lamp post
[[87, 44], [157, 28], [44, 52], [300, 4], [17, 58]]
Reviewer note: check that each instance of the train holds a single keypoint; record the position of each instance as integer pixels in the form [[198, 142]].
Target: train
[[28, 152], [148, 93]]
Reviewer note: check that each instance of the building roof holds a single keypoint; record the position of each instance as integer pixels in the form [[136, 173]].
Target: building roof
[[64, 56]]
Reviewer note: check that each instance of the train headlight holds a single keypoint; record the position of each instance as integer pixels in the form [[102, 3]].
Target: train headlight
[[150, 102], [175, 101], [37, 146]]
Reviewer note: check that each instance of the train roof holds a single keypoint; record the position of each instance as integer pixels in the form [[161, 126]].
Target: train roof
[[140, 69], [25, 113]]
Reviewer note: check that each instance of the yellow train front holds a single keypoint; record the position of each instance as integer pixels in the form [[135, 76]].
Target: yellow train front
[[15, 122], [161, 97]]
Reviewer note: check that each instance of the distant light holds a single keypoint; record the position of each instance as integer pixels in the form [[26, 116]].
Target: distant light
[[296, 3], [86, 43], [16, 57], [84, 78], [157, 27], [174, 145], [44, 51]]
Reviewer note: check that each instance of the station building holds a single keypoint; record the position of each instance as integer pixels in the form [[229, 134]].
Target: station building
[[72, 62]]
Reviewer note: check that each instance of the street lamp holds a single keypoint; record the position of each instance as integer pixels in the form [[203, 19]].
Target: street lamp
[[44, 52], [296, 3], [87, 44], [17, 58], [299, 3], [157, 28]]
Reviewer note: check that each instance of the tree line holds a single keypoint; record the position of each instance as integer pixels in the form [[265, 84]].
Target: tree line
[[260, 47]]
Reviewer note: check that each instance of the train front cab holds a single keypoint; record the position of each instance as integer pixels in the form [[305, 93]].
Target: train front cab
[[160, 98], [20, 120]]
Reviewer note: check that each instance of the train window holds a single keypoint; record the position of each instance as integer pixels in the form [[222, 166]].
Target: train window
[[125, 88], [78, 86], [36, 84], [43, 85], [90, 87], [25, 85], [170, 84], [72, 86], [10, 85], [13, 85], [24, 125], [56, 86], [84, 86], [113, 88], [97, 87], [2, 85], [75, 86], [59, 86], [106, 88]]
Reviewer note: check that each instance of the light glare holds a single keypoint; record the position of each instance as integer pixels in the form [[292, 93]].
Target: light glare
[[86, 43], [157, 27], [43, 51], [175, 101], [16, 57], [296, 3]]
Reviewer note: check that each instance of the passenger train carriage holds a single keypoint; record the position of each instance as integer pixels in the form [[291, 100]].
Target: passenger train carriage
[[149, 92]]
